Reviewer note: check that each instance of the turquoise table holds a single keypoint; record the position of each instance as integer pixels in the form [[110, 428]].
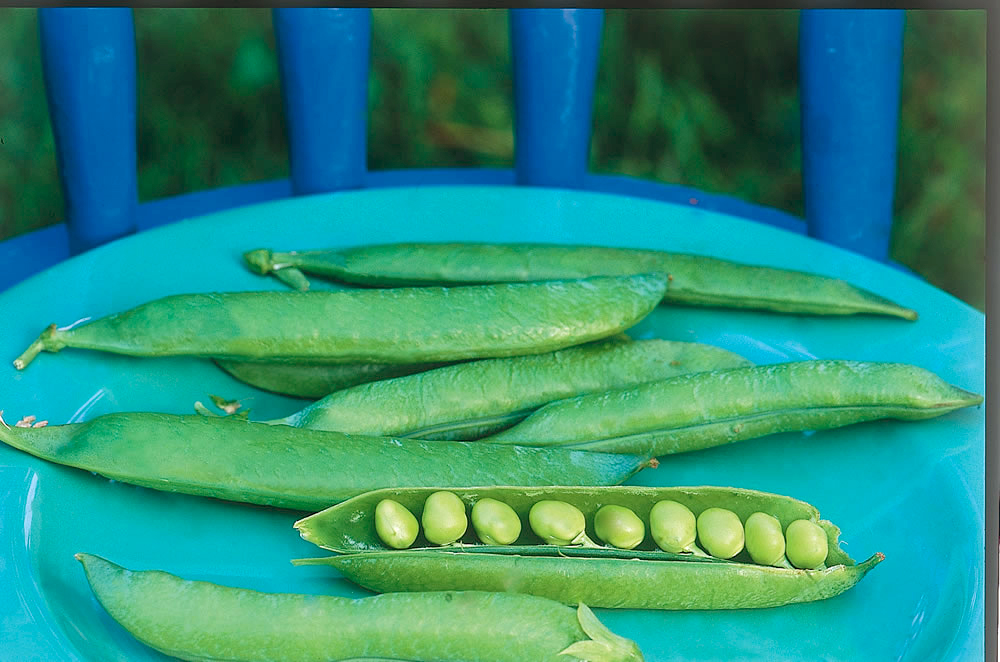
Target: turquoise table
[[914, 491]]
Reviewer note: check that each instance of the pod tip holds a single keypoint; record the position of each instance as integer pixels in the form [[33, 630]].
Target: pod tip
[[259, 260]]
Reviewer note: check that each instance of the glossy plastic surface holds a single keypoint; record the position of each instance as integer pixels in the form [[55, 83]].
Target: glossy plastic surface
[[913, 491], [555, 66], [850, 66], [88, 57], [323, 56]]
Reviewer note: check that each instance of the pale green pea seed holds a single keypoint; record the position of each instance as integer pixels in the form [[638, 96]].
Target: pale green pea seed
[[672, 526], [396, 526], [444, 519], [764, 541], [806, 544], [619, 527], [720, 532], [495, 522], [557, 522]]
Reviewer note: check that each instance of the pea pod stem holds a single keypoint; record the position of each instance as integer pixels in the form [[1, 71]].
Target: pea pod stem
[[694, 279], [470, 400], [697, 411], [286, 467], [196, 620], [402, 325]]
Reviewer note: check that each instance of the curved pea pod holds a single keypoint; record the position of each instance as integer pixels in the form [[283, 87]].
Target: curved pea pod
[[695, 280], [291, 468], [314, 380], [697, 411], [197, 620], [643, 578], [473, 399], [403, 325]]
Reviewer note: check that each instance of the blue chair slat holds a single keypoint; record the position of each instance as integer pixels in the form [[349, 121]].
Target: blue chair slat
[[323, 57], [850, 67], [848, 58], [555, 54], [88, 59]]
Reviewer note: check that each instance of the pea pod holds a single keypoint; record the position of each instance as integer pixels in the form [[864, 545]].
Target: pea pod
[[290, 468], [644, 578], [196, 620], [314, 380], [404, 325], [695, 280], [697, 411], [473, 399]]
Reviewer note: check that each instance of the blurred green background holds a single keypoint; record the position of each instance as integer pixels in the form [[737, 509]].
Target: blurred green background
[[701, 98]]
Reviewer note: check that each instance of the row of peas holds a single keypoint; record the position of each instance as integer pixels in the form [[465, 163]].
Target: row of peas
[[673, 527]]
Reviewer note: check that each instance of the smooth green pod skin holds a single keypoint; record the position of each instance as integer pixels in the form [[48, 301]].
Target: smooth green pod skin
[[602, 577], [720, 532], [403, 325], [707, 409], [469, 400], [673, 527], [494, 522], [201, 621], [805, 544], [444, 519], [765, 542], [396, 526], [290, 468], [619, 527], [695, 280], [315, 380]]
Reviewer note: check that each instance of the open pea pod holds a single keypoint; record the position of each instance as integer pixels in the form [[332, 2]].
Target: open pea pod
[[644, 578], [695, 280]]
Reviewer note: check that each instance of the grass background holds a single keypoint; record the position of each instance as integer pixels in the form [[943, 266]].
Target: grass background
[[701, 98]]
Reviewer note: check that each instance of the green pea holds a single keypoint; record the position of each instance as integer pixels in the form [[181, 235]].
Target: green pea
[[764, 540], [720, 532], [495, 522], [672, 526], [444, 519], [396, 526], [806, 544], [558, 523], [619, 527]]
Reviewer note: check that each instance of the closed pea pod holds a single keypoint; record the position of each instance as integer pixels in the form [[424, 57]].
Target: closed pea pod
[[444, 519], [619, 527], [196, 620], [642, 578], [314, 380], [469, 400], [291, 468], [495, 522], [707, 409], [695, 279], [404, 325]]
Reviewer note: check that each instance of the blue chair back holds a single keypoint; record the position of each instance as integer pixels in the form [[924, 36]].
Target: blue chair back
[[850, 62]]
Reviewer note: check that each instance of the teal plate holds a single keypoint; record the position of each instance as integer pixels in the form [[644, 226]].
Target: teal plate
[[914, 491]]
